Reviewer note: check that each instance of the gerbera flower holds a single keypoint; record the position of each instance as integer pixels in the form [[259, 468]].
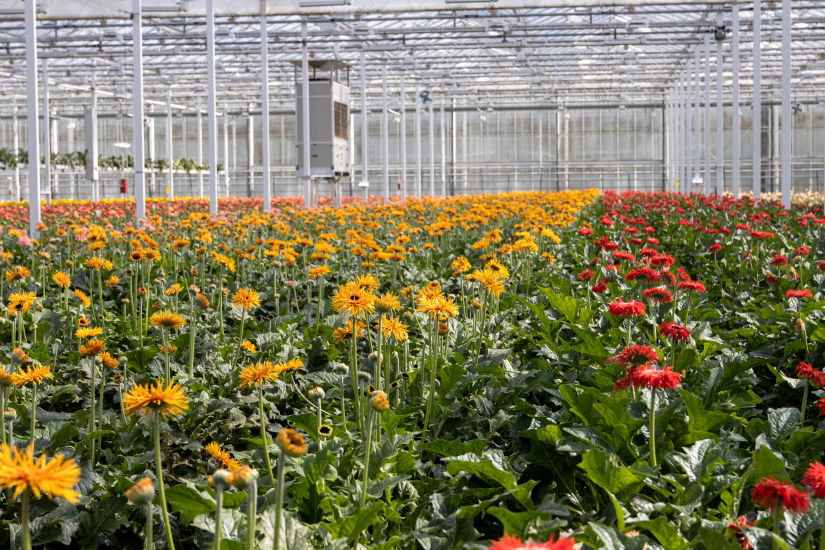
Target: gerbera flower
[[490, 280], [21, 302], [508, 542], [392, 326], [798, 293], [92, 347], [770, 492], [367, 281], [674, 331], [82, 297], [635, 355], [53, 478], [736, 526], [659, 294], [18, 272], [141, 493], [644, 273], [815, 479], [291, 442], [619, 255], [319, 271], [779, 260], [32, 375], [223, 456], [108, 360], [258, 373], [620, 308], [648, 377], [248, 346], [166, 319], [172, 290], [439, 307], [585, 275], [246, 299], [692, 286], [388, 302], [460, 265], [167, 401], [292, 364], [98, 264], [62, 279], [352, 299], [714, 248]]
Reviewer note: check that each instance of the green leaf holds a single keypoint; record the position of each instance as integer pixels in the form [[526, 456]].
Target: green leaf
[[665, 532], [605, 470], [444, 447], [294, 534], [515, 523], [189, 502], [766, 463], [782, 421]]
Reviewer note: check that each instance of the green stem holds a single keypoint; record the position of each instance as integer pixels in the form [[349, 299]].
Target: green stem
[[240, 339], [804, 403], [777, 525], [251, 514], [2, 414], [320, 422], [279, 502], [149, 543], [367, 457], [220, 301], [653, 427], [92, 414], [378, 357], [34, 410], [168, 370], [192, 328], [481, 331], [159, 473], [354, 376], [218, 522], [433, 367], [24, 513], [264, 436]]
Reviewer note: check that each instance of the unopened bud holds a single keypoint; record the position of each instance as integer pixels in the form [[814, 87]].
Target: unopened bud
[[379, 401], [142, 492], [799, 326]]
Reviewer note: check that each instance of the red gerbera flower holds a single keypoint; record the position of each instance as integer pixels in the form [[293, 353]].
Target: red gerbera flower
[[662, 260], [585, 231], [770, 492], [600, 287], [620, 255], [821, 265], [683, 275], [620, 308], [807, 371], [714, 248], [665, 378], [635, 355], [508, 542], [736, 526], [674, 331], [815, 479], [762, 235], [798, 293], [821, 406], [658, 294], [693, 286], [779, 260], [585, 275], [771, 279], [643, 273], [801, 251]]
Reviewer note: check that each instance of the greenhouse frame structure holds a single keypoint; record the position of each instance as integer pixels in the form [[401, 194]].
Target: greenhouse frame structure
[[705, 84]]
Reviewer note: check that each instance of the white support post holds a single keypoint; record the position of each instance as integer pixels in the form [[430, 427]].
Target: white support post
[[47, 138], [785, 138], [385, 136], [32, 116], [364, 129], [307, 175], [137, 120], [720, 127], [735, 136], [403, 138], [170, 178], [250, 147], [757, 99], [212, 112], [454, 142], [265, 152], [226, 150], [697, 120], [707, 115], [688, 185], [419, 186], [200, 150], [443, 154], [680, 137], [15, 130], [150, 122], [432, 151]]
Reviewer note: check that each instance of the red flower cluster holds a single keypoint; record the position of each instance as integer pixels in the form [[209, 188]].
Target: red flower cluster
[[649, 377], [798, 294], [815, 479], [662, 260], [585, 275], [508, 542], [674, 331], [643, 273], [635, 355], [585, 231], [714, 248], [807, 371], [658, 294], [600, 287], [619, 255], [692, 286], [736, 527], [620, 308], [821, 406], [779, 260], [762, 235], [801, 251], [770, 492]]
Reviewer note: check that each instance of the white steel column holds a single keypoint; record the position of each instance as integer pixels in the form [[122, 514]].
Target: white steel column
[[680, 138], [443, 154], [697, 119], [170, 178], [735, 121], [137, 120], [418, 183], [403, 131], [785, 138], [364, 128], [226, 150], [212, 114], [385, 136], [432, 151], [47, 138], [720, 127], [307, 175], [250, 146], [707, 116], [757, 98], [200, 150], [150, 141], [31, 117], [688, 186], [265, 160], [15, 132]]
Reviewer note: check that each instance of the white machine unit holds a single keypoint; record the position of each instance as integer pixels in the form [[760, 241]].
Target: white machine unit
[[328, 128]]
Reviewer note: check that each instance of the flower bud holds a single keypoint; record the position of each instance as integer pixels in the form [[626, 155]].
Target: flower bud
[[317, 393], [220, 479], [291, 442], [142, 492], [325, 430], [799, 326], [340, 369], [379, 401], [242, 477], [9, 415], [364, 377]]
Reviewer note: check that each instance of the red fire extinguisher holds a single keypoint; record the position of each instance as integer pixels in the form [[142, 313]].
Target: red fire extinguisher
[[124, 186]]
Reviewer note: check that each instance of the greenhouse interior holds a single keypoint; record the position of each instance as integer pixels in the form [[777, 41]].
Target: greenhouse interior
[[427, 275]]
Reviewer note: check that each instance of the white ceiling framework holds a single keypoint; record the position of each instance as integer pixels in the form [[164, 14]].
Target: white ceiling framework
[[480, 54]]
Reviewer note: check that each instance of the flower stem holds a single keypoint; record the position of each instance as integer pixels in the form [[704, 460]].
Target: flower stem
[[353, 373], [251, 514], [240, 339], [34, 409], [378, 357], [192, 328], [804, 403], [24, 513], [320, 422], [367, 457], [150, 544], [92, 415], [279, 502], [168, 370], [653, 427], [777, 524], [218, 510], [433, 367], [264, 435], [481, 331], [159, 473], [2, 414]]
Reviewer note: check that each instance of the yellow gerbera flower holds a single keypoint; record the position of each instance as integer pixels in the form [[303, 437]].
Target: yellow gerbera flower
[[246, 299], [62, 279], [223, 456], [33, 375], [392, 326], [439, 307], [53, 478], [88, 332], [258, 373], [166, 319], [92, 347], [145, 400], [351, 298]]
